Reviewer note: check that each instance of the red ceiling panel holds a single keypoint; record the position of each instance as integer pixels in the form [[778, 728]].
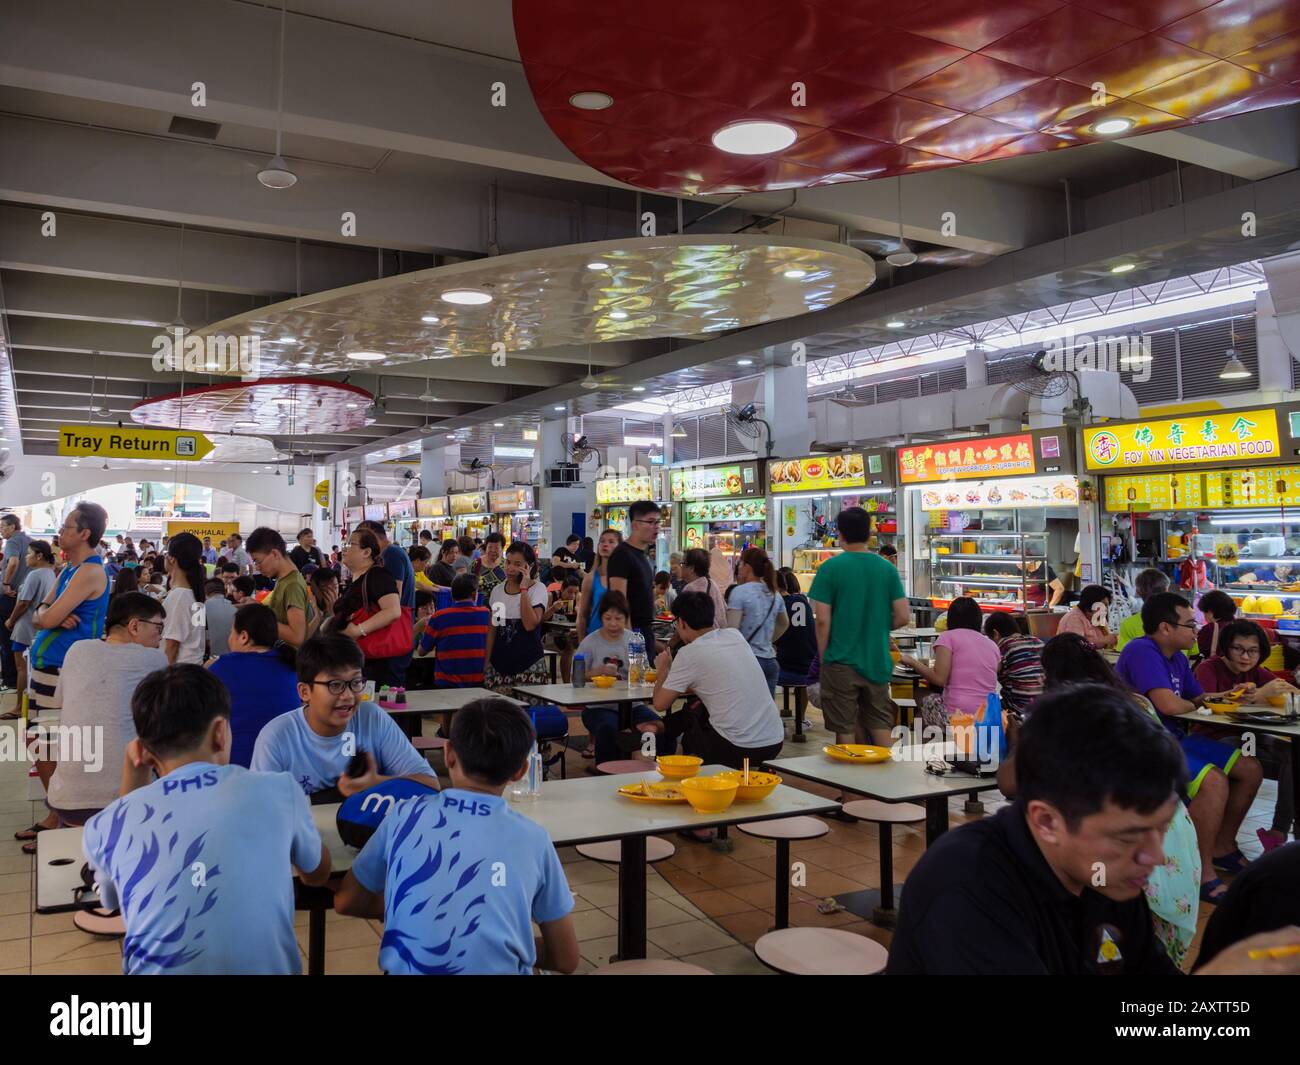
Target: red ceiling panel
[[888, 86]]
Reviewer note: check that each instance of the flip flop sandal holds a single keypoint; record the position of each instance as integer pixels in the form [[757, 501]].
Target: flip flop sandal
[[1208, 889], [589, 752], [1233, 862], [29, 833], [29, 847], [12, 715], [100, 922]]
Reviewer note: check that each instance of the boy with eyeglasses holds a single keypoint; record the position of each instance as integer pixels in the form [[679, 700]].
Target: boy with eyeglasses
[[316, 744]]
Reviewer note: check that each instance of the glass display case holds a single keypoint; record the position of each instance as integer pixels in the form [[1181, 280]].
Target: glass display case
[[807, 560], [1000, 570]]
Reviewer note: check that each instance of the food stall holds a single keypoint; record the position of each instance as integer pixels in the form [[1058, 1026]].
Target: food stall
[[1205, 497], [352, 516], [614, 494], [809, 494], [470, 515], [403, 525], [996, 516], [729, 528], [515, 510], [434, 516]]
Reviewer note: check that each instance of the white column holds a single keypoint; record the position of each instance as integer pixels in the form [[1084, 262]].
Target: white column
[[433, 468], [977, 368], [558, 505], [1271, 334], [785, 403], [668, 439]]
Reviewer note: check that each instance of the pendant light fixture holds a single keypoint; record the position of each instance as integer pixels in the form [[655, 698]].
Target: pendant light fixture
[[1234, 369], [276, 174], [905, 256]]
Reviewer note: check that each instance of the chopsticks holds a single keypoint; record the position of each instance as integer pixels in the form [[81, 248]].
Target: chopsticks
[[844, 750]]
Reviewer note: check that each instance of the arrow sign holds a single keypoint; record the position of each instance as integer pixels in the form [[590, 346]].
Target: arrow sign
[[113, 443]]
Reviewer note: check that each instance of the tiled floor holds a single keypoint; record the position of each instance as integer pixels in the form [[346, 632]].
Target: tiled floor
[[705, 906]]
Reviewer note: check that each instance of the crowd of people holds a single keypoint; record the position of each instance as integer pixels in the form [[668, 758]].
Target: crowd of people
[[231, 682]]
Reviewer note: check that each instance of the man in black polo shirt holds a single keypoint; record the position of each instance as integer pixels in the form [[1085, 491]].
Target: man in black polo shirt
[[629, 570], [1053, 884]]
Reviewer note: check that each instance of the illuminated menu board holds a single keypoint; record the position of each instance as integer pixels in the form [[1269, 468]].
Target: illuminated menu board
[[469, 503], [623, 489], [710, 482], [431, 508]]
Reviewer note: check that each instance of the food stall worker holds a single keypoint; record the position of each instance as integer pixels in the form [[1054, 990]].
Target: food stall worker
[[1034, 592]]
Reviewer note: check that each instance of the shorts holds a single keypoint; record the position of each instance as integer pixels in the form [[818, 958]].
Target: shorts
[[43, 683], [849, 701], [1203, 754]]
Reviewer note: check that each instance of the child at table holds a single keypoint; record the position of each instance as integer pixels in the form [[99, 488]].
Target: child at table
[[315, 744], [606, 655], [458, 878], [199, 860], [457, 635]]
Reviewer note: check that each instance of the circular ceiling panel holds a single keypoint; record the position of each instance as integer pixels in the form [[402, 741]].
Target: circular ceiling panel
[[281, 406], [782, 95], [578, 294]]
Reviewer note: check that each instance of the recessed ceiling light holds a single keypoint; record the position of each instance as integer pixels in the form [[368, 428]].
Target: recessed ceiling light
[[618, 315], [245, 425], [353, 406], [430, 319], [268, 467], [284, 401], [499, 425], [596, 264], [744, 362], [1111, 126], [895, 324], [560, 407], [285, 340], [638, 388], [754, 137], [469, 297], [1123, 268], [794, 273], [366, 356], [451, 436], [591, 101]]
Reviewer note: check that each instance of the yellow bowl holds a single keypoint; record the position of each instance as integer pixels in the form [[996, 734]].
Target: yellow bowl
[[603, 682], [1222, 708], [709, 795], [760, 785], [650, 676], [678, 766]]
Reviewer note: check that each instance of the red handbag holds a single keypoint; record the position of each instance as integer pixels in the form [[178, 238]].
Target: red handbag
[[394, 640]]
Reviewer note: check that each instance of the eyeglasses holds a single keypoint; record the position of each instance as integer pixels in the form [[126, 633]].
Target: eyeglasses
[[1186, 625], [338, 687], [1237, 649], [649, 521], [161, 624]]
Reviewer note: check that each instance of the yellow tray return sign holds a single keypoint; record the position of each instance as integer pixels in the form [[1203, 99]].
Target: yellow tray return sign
[[109, 442]]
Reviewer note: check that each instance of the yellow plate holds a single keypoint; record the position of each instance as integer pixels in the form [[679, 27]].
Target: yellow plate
[[863, 753], [1223, 708], [658, 792]]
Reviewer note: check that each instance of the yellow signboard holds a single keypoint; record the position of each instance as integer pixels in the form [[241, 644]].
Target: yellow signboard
[[217, 530], [1204, 438], [818, 471], [109, 442], [322, 492], [623, 489]]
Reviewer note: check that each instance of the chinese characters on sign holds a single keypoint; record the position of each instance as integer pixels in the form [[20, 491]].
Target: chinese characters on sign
[[995, 456], [1230, 436]]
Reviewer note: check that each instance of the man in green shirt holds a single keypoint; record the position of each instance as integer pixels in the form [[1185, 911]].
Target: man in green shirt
[[289, 600], [858, 599]]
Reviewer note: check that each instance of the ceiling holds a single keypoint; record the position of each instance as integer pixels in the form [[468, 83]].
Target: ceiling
[[157, 219], [877, 89]]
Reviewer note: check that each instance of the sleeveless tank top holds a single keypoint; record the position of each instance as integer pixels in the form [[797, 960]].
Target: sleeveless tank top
[[50, 645], [597, 590]]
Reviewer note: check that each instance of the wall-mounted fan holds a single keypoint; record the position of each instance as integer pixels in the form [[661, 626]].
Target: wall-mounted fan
[[746, 423], [577, 448]]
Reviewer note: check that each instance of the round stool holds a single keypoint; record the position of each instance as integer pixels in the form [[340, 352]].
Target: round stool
[[885, 815], [821, 952], [649, 967], [627, 765], [656, 850], [428, 743], [783, 831]]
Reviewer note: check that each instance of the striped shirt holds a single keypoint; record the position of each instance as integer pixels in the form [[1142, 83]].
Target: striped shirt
[[1021, 672], [459, 635]]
